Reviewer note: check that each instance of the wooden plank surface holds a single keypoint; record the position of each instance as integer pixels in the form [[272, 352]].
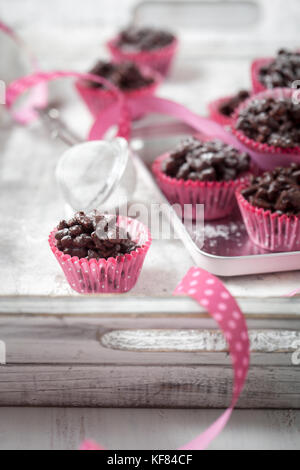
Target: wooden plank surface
[[253, 307], [146, 386], [64, 429], [142, 362]]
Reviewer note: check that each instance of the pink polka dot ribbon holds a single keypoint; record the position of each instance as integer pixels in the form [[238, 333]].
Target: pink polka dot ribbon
[[211, 294]]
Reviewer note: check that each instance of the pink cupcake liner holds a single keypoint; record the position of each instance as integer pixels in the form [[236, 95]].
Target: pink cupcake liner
[[268, 230], [216, 115], [278, 93], [256, 66], [159, 60], [217, 197], [115, 275], [99, 99]]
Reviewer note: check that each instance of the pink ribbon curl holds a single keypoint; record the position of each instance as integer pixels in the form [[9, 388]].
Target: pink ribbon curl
[[211, 294]]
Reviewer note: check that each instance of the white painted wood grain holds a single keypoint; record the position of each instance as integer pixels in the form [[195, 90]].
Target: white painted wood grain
[[64, 429], [62, 361], [68, 340], [253, 307], [146, 386]]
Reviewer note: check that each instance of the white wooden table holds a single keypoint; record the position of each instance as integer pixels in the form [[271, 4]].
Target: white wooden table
[[52, 332]]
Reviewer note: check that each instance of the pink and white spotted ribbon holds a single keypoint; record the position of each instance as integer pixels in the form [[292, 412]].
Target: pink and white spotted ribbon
[[211, 294]]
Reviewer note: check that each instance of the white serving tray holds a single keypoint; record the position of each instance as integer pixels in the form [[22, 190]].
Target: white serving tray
[[227, 249]]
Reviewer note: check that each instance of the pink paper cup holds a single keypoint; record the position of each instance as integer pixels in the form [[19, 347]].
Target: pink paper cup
[[112, 276], [98, 99], [159, 60], [256, 66], [217, 197], [277, 93], [268, 230], [216, 115]]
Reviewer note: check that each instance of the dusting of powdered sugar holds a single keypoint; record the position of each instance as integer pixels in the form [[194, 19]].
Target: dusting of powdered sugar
[[223, 231], [224, 238]]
